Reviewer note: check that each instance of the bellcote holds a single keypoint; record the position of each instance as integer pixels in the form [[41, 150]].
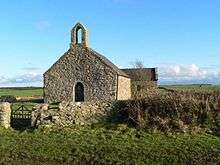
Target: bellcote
[[77, 37]]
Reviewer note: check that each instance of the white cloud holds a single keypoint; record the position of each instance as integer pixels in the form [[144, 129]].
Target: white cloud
[[21, 80], [30, 76], [187, 71], [3, 79], [177, 73]]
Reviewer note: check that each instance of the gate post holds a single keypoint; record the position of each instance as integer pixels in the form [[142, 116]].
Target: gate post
[[5, 114]]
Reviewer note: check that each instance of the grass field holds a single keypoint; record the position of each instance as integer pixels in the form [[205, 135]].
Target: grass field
[[106, 145], [193, 87], [22, 92]]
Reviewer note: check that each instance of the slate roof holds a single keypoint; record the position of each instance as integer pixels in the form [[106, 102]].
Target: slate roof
[[149, 74], [109, 63]]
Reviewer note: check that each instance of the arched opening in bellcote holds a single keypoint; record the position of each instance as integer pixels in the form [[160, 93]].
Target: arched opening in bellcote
[[79, 35]]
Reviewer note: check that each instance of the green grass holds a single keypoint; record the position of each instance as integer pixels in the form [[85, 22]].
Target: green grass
[[103, 144], [27, 106], [194, 87], [106, 145], [22, 92]]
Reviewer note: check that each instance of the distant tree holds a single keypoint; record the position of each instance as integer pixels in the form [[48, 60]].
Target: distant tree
[[138, 64], [139, 74]]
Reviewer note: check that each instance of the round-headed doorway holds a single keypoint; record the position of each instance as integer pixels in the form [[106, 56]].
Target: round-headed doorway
[[79, 92]]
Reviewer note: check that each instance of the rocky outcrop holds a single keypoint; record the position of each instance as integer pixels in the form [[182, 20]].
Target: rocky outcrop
[[5, 114], [69, 113]]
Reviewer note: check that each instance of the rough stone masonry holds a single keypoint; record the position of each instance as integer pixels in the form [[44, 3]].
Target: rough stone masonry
[[5, 114], [83, 74], [69, 113]]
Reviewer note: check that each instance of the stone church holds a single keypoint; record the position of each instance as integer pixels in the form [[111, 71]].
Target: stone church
[[83, 74]]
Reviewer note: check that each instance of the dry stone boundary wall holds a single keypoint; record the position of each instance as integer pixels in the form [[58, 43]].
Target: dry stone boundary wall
[[67, 114], [5, 114], [70, 113]]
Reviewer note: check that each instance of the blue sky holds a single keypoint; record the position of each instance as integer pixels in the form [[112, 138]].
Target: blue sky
[[180, 37]]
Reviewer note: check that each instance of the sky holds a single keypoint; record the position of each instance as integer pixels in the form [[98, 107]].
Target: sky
[[181, 38]]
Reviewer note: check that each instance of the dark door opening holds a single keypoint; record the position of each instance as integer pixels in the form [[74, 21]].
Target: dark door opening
[[79, 92]]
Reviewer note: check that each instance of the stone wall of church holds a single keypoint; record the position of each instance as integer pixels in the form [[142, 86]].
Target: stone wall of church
[[124, 88], [79, 64]]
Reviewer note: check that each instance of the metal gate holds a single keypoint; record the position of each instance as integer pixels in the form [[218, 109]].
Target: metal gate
[[21, 116]]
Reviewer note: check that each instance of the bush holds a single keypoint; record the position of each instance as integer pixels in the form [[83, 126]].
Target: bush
[[8, 98], [170, 112]]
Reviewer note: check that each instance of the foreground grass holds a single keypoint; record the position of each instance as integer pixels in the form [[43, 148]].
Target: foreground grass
[[108, 145]]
